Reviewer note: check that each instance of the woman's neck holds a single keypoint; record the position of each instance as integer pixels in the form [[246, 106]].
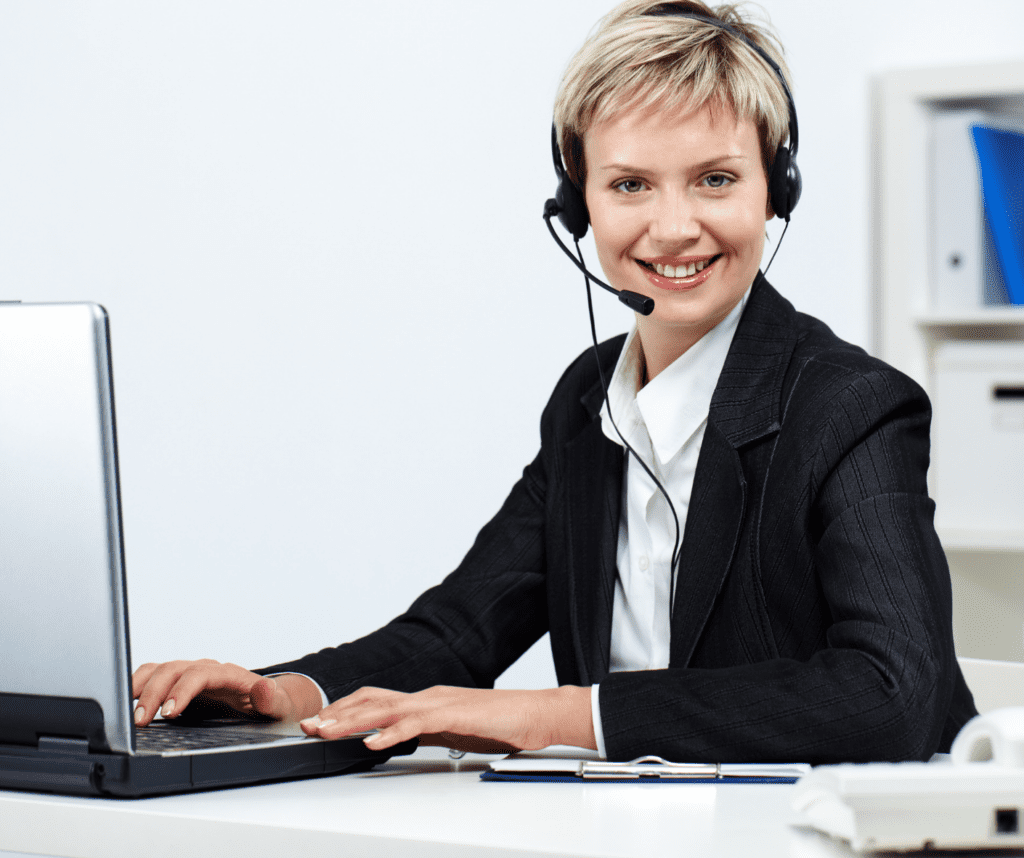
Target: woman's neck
[[662, 343], [660, 348]]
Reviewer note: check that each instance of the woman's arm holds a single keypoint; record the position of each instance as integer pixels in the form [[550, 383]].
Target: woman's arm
[[471, 719]]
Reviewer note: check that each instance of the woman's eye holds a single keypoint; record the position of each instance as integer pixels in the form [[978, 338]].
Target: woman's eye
[[630, 186], [717, 180]]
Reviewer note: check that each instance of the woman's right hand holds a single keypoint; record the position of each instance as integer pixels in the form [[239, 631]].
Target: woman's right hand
[[169, 687]]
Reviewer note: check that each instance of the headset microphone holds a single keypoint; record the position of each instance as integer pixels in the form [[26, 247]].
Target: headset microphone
[[636, 302]]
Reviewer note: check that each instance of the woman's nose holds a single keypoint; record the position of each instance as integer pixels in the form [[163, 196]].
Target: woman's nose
[[674, 220]]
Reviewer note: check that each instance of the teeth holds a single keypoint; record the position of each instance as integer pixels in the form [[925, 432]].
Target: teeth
[[681, 270]]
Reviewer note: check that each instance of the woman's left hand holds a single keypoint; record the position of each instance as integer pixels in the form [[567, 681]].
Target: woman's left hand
[[468, 719]]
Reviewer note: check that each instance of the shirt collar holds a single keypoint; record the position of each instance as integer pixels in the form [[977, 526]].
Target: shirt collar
[[675, 404]]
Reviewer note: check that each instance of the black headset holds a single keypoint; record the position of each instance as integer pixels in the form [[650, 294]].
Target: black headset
[[784, 182]]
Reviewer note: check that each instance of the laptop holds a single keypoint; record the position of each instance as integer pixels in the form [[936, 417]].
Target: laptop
[[65, 666]]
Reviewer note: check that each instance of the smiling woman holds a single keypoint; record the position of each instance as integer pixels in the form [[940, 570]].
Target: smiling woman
[[807, 615]]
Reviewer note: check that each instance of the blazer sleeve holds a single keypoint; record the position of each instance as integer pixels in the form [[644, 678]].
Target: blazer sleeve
[[468, 629], [859, 662], [471, 627]]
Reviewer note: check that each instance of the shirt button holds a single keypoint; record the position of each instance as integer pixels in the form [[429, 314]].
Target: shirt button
[[643, 563]]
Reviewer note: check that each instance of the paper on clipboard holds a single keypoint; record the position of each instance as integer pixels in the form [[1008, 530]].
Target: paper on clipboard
[[575, 764]]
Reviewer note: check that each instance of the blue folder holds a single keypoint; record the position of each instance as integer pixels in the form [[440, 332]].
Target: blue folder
[[547, 778], [1001, 158]]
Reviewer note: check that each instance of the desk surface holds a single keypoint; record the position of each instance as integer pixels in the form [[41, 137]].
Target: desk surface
[[424, 805]]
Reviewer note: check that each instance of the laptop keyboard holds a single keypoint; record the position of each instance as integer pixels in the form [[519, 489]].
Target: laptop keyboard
[[161, 739]]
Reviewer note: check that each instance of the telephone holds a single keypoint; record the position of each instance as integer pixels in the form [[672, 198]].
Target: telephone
[[971, 798]]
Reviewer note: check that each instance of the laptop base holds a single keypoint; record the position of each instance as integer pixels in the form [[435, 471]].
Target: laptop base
[[66, 766]]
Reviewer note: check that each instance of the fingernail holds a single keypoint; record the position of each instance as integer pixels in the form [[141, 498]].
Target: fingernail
[[311, 722], [140, 713], [168, 708], [375, 739], [328, 722]]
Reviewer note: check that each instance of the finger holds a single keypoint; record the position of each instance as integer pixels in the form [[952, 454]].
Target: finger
[[365, 709], [328, 727], [407, 728], [141, 677], [161, 678], [362, 699], [313, 726], [228, 683]]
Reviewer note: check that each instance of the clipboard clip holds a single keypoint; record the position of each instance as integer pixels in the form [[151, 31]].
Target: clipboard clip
[[648, 767]]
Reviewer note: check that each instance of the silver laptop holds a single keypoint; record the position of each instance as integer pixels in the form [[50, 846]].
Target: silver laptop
[[65, 665]]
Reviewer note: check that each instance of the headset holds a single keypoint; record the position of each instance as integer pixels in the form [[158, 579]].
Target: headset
[[570, 206], [784, 181]]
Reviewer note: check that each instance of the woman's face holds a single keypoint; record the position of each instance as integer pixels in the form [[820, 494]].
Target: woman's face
[[678, 203]]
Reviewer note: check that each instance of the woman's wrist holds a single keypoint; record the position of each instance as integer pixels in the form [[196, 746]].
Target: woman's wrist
[[572, 723]]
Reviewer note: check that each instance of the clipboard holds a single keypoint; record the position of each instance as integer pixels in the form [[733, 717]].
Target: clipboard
[[543, 768]]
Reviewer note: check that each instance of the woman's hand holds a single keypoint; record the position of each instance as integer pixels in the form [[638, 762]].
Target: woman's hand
[[469, 719], [171, 686]]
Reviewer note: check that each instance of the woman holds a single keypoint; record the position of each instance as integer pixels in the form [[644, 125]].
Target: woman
[[809, 614]]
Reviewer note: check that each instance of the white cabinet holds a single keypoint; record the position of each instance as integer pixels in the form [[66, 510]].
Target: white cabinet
[[978, 440], [953, 344], [921, 318]]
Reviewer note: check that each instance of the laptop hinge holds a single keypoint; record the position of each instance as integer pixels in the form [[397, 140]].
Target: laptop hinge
[[32, 719], [63, 746]]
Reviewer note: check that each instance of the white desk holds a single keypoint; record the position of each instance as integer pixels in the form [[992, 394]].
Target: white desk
[[422, 806]]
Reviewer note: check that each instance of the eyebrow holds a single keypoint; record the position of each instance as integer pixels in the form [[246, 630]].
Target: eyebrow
[[704, 165]]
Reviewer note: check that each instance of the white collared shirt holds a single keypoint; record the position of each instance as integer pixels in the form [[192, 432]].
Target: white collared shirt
[[664, 422]]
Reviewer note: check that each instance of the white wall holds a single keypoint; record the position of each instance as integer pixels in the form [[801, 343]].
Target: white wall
[[336, 312]]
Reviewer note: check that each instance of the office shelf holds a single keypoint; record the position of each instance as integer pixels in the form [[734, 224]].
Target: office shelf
[[983, 317], [912, 331]]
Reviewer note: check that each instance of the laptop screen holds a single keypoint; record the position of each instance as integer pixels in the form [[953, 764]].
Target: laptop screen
[[65, 631]]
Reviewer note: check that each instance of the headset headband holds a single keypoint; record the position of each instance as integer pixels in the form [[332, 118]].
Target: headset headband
[[784, 181], [669, 10]]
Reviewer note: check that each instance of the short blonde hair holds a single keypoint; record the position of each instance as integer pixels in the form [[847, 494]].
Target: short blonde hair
[[639, 58]]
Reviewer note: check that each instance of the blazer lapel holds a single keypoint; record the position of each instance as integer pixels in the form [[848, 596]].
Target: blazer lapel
[[717, 506], [594, 466], [745, 407]]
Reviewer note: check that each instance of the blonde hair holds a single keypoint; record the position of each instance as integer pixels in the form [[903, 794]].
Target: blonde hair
[[638, 59]]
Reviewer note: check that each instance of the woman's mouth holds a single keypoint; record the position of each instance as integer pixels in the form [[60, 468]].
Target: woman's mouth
[[680, 275]]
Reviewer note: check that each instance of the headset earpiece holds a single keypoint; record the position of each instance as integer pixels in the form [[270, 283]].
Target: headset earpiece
[[572, 208], [569, 200], [784, 184]]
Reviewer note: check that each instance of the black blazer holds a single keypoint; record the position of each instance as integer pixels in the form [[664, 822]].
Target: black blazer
[[812, 613]]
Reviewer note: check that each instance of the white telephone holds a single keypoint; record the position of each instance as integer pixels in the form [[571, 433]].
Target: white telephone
[[972, 798]]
